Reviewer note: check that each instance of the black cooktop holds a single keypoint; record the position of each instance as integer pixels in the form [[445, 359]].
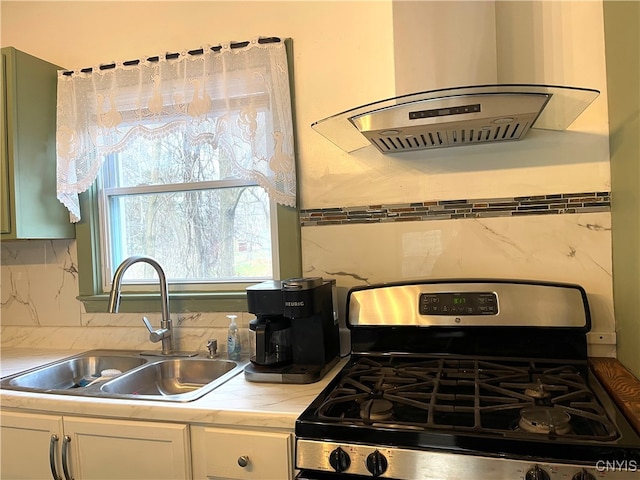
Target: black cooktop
[[491, 406]]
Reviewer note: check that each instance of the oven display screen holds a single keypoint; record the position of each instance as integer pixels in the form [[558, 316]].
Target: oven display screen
[[461, 303]]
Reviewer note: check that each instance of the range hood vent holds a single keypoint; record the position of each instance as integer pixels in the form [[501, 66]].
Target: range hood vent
[[455, 117]]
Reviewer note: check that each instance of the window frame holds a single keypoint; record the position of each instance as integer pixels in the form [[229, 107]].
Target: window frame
[[91, 294], [287, 254]]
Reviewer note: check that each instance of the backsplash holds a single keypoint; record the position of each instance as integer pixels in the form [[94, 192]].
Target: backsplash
[[560, 247], [563, 237], [104, 330], [39, 307], [553, 204]]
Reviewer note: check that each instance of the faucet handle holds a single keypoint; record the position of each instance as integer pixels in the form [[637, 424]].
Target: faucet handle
[[156, 335], [212, 346]]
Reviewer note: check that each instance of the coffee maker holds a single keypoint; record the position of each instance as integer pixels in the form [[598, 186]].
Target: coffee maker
[[294, 337]]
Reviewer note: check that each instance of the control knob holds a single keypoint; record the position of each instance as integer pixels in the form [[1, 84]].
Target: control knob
[[376, 463], [339, 460], [536, 473], [583, 475]]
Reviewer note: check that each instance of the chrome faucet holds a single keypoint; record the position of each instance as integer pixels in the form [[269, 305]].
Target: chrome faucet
[[164, 333]]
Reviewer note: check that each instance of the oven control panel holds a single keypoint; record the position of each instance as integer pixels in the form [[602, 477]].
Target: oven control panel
[[458, 303], [348, 460], [468, 303]]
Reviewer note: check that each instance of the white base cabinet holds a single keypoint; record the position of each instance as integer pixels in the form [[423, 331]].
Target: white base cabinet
[[35, 446], [26, 441], [230, 454]]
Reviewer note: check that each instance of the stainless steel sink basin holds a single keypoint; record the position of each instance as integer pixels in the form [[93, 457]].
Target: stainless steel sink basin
[[73, 372], [144, 377], [176, 379]]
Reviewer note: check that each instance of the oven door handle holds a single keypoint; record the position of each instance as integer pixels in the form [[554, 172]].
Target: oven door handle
[[314, 475]]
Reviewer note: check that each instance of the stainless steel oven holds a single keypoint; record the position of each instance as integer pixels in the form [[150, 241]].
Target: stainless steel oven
[[481, 379]]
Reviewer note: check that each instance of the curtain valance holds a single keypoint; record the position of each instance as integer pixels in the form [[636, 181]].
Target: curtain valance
[[236, 99]]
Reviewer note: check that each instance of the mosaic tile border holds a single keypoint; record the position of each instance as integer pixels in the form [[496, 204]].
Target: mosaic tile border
[[554, 204]]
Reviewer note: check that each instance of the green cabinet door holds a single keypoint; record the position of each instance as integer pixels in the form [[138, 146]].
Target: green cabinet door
[[30, 209], [5, 209]]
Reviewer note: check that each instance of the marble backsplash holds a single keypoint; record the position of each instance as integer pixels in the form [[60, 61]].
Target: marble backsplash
[[191, 332], [40, 283], [570, 248], [39, 308]]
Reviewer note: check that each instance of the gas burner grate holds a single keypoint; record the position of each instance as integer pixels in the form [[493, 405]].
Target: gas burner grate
[[475, 395]]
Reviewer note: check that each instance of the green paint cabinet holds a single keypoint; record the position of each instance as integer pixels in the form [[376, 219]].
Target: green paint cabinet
[[29, 207]]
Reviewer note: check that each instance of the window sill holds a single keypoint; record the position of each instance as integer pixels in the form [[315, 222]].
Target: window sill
[[232, 301]]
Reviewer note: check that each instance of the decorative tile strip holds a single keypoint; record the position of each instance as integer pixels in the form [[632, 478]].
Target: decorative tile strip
[[553, 204]]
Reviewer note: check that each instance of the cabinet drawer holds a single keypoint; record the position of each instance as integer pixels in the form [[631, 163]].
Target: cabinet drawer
[[219, 452]]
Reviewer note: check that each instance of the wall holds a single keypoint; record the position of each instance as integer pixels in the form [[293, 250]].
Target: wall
[[622, 26], [39, 279], [440, 44], [433, 43], [347, 54]]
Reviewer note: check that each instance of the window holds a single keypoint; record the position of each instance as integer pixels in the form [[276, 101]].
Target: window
[[202, 180], [183, 205], [212, 297]]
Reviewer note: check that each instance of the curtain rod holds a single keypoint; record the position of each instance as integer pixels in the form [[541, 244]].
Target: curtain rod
[[198, 51]]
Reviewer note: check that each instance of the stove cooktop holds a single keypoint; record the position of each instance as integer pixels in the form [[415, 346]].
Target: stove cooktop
[[440, 384], [510, 398], [515, 408]]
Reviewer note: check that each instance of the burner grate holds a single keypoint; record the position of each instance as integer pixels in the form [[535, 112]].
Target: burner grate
[[459, 394]]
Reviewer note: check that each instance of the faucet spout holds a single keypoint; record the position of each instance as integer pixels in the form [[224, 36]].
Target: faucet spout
[[115, 294]]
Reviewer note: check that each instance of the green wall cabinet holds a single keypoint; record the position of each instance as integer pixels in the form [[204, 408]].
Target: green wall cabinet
[[30, 209]]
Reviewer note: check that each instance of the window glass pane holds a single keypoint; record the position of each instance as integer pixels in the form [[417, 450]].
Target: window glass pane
[[200, 235], [178, 152]]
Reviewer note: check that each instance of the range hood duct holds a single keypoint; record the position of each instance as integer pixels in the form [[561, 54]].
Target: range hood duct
[[455, 117]]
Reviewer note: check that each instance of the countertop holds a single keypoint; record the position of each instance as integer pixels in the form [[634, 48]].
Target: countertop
[[235, 403], [239, 402], [621, 385]]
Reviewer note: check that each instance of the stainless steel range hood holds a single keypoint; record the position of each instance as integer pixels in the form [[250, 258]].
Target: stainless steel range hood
[[455, 117]]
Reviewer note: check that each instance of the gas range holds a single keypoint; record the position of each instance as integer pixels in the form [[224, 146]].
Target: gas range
[[450, 380]]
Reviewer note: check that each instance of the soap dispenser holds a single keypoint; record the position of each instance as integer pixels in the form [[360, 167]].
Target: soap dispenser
[[233, 339]]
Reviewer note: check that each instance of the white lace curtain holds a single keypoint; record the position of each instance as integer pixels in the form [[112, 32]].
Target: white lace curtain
[[236, 99]]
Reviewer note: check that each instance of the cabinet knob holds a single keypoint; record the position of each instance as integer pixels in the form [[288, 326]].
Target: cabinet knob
[[243, 461]]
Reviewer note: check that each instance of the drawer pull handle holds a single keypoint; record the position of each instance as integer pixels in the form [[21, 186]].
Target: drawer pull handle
[[52, 457], [65, 461], [243, 461]]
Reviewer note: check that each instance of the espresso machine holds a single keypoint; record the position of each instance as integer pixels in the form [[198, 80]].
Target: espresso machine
[[294, 337]]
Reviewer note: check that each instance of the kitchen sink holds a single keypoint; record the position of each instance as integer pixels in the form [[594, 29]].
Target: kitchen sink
[[176, 379], [138, 375], [73, 372]]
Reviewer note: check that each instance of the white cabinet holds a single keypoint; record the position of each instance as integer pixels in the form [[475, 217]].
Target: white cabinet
[[223, 453], [27, 442], [38, 446], [119, 449]]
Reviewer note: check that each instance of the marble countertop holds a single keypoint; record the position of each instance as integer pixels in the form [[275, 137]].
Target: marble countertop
[[235, 403]]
